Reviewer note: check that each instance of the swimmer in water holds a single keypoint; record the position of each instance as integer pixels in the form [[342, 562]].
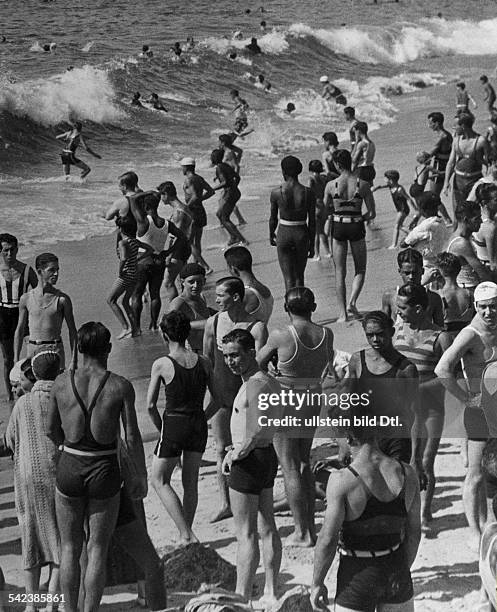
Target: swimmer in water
[[238, 35], [146, 52], [331, 91], [74, 139], [290, 108], [50, 48], [156, 103], [135, 101], [232, 56], [190, 43], [263, 25], [240, 110], [253, 47], [176, 49]]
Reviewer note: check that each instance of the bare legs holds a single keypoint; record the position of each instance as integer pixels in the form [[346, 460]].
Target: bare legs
[[7, 348], [474, 493], [182, 515], [222, 435], [359, 255], [226, 205], [121, 288], [196, 244], [293, 246], [399, 221]]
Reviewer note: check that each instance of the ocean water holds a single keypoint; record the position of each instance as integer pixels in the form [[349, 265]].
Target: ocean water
[[374, 53]]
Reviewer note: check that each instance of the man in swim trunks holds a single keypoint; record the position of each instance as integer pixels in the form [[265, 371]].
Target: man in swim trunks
[[488, 94], [463, 98], [440, 153], [240, 110], [230, 293], [74, 139], [251, 465], [475, 346], [15, 279], [349, 113], [45, 309], [305, 352], [86, 409], [363, 153], [293, 213], [258, 299], [196, 190], [468, 154]]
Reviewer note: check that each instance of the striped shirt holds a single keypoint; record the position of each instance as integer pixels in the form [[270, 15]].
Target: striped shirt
[[419, 347], [12, 289]]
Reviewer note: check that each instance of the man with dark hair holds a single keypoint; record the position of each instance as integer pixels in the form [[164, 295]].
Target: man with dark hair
[[128, 185], [74, 139], [87, 405], [463, 98], [15, 279], [440, 153], [258, 299], [363, 153], [230, 293], [488, 94], [44, 309], [349, 113], [304, 351]]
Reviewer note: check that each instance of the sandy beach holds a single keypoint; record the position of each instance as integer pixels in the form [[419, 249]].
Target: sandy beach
[[445, 573]]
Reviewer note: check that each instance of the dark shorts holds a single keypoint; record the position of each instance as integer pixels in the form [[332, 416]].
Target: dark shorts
[[475, 424], [8, 322], [153, 270], [69, 159], [181, 253], [127, 512], [396, 448], [348, 232], [254, 473], [366, 173], [364, 583], [90, 477], [182, 433], [241, 123], [402, 207]]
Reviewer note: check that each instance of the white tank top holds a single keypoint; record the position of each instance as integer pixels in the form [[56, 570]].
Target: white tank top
[[264, 310], [155, 236]]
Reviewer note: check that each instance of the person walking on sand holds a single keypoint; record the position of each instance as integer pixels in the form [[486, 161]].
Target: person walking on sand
[[87, 405], [74, 139], [293, 212], [251, 465], [183, 427], [363, 153], [44, 309], [304, 351], [463, 98]]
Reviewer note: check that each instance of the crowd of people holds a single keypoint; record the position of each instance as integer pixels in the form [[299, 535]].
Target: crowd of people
[[431, 342]]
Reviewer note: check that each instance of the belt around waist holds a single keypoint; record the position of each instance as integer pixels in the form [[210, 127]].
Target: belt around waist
[[292, 223], [468, 174], [81, 453], [347, 219], [347, 552], [9, 306], [40, 342]]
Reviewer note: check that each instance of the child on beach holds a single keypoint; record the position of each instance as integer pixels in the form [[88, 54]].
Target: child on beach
[[424, 171], [127, 250], [457, 301], [400, 198], [317, 183]]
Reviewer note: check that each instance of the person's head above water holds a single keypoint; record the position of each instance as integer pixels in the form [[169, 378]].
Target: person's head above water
[[145, 48], [324, 79], [290, 107], [291, 166]]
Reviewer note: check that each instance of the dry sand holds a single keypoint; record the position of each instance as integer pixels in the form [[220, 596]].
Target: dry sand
[[446, 572]]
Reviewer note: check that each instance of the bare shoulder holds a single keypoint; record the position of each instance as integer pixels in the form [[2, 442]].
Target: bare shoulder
[[121, 383]]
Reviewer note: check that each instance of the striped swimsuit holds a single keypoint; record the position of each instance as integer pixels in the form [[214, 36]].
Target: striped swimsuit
[[418, 346]]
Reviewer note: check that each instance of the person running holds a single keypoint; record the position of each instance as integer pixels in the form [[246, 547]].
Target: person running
[[317, 184], [230, 292], [372, 516], [475, 346], [484, 240], [400, 199], [463, 98], [423, 343], [251, 465], [153, 231], [349, 113], [468, 219], [16, 278], [196, 190], [86, 407], [183, 220], [304, 351], [363, 154], [411, 270], [74, 139], [488, 94], [457, 302], [440, 153], [44, 309], [345, 197], [258, 299], [192, 304], [293, 211], [183, 427], [331, 145], [228, 181], [467, 156]]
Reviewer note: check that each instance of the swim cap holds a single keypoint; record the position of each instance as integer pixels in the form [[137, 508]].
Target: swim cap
[[187, 161], [291, 166], [45, 365], [15, 373], [485, 291], [324, 79], [192, 269]]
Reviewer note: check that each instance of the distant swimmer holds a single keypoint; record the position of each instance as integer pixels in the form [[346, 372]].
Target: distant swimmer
[[263, 25], [488, 94], [261, 83], [135, 101], [253, 47], [331, 91], [190, 43], [156, 103], [50, 48], [290, 108], [232, 56], [463, 98], [176, 49], [74, 139], [3, 40], [240, 110], [238, 35], [146, 53]]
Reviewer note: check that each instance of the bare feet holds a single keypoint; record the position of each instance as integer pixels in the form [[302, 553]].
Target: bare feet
[[300, 542], [392, 247], [353, 312], [223, 514], [126, 333], [191, 539]]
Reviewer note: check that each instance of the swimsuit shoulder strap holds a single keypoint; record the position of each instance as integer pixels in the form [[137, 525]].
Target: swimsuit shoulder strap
[[350, 468], [102, 384], [249, 328], [77, 395]]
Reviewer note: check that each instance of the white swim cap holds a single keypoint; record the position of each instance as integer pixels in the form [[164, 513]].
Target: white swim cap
[[15, 373], [485, 291], [238, 34], [187, 161], [324, 79]]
